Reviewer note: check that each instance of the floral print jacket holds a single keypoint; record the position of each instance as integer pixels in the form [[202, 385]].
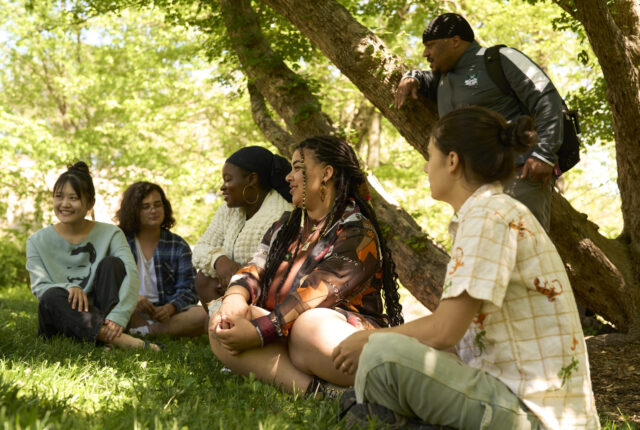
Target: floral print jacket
[[341, 271]]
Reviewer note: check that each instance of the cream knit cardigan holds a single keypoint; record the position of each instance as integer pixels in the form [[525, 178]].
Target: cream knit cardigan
[[231, 234]]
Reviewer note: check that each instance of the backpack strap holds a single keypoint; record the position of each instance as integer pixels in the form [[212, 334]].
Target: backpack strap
[[494, 68], [496, 73]]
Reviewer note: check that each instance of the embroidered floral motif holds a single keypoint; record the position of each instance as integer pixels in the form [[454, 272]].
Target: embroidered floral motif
[[520, 228], [574, 343], [446, 286], [550, 289], [480, 320], [457, 260], [566, 371], [478, 341]]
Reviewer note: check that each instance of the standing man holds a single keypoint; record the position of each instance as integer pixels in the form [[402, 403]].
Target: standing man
[[459, 78]]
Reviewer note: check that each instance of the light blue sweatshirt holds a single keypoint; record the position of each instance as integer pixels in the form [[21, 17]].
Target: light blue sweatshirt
[[54, 262]]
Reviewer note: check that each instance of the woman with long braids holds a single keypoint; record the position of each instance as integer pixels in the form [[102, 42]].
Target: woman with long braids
[[316, 279]]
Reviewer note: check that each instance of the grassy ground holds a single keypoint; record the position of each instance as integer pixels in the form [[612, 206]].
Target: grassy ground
[[64, 384]]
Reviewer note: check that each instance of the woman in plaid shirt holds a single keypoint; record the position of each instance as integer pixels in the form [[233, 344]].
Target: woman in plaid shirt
[[167, 299], [507, 307]]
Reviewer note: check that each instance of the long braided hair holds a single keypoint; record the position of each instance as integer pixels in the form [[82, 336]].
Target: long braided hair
[[348, 178]]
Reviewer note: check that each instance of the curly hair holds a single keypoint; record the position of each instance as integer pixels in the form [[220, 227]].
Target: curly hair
[[128, 216], [348, 179]]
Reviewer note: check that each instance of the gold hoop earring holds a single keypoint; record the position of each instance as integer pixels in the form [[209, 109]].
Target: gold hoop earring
[[244, 191], [323, 191]]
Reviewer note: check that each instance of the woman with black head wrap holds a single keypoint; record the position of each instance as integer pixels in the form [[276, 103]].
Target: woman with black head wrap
[[256, 195]]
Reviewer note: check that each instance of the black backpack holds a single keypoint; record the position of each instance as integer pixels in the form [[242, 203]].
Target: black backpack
[[569, 152]]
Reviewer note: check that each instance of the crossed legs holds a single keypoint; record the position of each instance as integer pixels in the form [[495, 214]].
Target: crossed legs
[[190, 323], [291, 365]]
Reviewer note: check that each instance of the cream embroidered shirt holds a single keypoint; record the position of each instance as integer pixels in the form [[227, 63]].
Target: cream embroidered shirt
[[231, 234], [527, 332]]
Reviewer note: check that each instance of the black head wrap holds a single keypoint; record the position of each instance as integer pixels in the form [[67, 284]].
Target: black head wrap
[[271, 168], [448, 25]]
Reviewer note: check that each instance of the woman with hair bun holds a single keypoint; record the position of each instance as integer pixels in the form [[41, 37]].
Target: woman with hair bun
[[167, 301], [256, 194], [507, 307], [318, 275], [82, 271]]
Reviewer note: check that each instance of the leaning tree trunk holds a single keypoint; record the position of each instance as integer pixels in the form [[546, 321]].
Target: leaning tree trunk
[[602, 273], [373, 140], [420, 263], [615, 39]]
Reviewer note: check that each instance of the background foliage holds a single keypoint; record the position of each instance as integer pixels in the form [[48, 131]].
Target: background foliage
[[153, 92]]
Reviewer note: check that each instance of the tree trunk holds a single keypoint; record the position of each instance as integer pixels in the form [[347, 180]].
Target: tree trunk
[[614, 39], [373, 140], [360, 123], [601, 265], [420, 263]]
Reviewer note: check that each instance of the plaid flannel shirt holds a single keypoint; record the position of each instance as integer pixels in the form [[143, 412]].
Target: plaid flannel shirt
[[527, 333], [174, 271]]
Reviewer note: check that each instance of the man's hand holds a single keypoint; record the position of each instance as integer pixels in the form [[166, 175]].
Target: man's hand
[[164, 312], [347, 354], [407, 87], [536, 169], [111, 330], [239, 336], [144, 306], [78, 299]]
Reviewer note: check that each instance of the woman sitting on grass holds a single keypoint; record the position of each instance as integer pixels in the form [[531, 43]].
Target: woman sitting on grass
[[506, 306], [256, 194], [82, 271], [167, 301], [316, 278]]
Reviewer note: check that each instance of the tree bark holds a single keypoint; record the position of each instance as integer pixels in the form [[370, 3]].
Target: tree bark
[[275, 134], [286, 92], [601, 266], [360, 123], [363, 58], [613, 34], [420, 263], [373, 140]]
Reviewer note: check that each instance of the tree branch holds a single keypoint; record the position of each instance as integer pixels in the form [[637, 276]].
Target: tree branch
[[420, 262], [275, 134]]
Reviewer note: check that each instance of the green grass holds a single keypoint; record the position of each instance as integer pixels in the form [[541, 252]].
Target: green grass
[[64, 384]]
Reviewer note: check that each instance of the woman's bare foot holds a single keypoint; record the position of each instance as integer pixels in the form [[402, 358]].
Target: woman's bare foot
[[125, 341]]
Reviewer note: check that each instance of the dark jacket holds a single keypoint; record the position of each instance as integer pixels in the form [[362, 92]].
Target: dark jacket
[[469, 83]]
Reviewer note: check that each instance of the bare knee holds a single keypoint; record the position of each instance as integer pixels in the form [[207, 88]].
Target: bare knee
[[217, 349], [308, 325], [309, 334]]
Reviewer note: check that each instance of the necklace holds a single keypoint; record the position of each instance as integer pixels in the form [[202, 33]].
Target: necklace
[[314, 228]]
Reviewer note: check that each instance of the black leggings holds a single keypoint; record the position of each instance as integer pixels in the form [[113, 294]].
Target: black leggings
[[55, 315]]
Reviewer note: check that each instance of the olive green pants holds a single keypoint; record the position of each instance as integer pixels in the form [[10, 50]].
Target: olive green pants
[[412, 379]]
